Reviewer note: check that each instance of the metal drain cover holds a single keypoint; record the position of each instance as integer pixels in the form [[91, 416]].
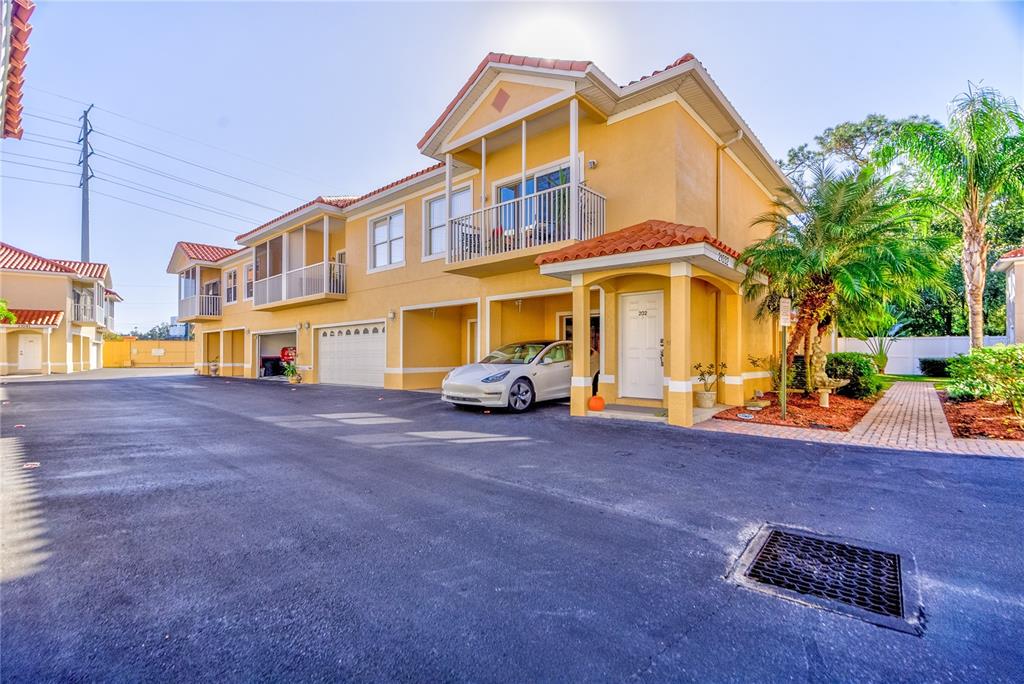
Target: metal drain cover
[[872, 584]]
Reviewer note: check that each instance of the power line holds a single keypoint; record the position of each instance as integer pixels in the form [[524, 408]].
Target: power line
[[174, 198], [179, 179], [36, 180], [162, 211], [49, 144], [46, 118], [46, 159], [38, 166], [50, 137], [198, 166], [178, 135]]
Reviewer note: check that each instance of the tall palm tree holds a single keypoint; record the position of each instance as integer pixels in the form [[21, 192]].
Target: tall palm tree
[[855, 246], [970, 165]]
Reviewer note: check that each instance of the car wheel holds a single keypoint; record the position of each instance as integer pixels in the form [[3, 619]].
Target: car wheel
[[520, 395]]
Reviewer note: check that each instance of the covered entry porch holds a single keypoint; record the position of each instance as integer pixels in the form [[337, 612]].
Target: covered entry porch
[[671, 299]]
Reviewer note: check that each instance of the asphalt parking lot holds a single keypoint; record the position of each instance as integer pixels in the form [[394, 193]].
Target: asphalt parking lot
[[184, 528]]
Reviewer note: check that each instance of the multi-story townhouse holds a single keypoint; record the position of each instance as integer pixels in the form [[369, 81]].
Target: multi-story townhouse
[[562, 206], [61, 310]]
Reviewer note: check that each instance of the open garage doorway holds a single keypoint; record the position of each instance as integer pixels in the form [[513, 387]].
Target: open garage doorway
[[269, 348], [436, 339]]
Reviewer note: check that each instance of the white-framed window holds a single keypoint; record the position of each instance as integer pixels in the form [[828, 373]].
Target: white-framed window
[[339, 256], [435, 220], [387, 240], [231, 286], [249, 272]]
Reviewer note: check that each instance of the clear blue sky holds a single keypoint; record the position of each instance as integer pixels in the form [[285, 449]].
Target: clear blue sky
[[331, 97]]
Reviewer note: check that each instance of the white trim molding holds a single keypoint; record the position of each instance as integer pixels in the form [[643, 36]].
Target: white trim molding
[[680, 386]]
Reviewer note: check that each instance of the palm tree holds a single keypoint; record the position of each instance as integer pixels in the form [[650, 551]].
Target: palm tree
[[856, 246], [970, 166]]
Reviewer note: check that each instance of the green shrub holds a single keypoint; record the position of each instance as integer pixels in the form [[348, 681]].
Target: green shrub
[[798, 373], [968, 390], [999, 370], [859, 369], [934, 368]]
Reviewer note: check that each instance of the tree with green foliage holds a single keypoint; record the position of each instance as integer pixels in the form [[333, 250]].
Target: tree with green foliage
[[970, 168], [855, 246], [6, 315]]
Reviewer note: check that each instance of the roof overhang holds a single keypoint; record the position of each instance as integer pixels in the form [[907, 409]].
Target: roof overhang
[[288, 220], [421, 181], [1004, 264], [701, 254]]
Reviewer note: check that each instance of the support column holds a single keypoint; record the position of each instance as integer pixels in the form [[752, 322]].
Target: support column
[[220, 352], [327, 252], [574, 169], [284, 265], [483, 172], [49, 352], [448, 198], [581, 377], [680, 386], [608, 382], [522, 160], [730, 335]]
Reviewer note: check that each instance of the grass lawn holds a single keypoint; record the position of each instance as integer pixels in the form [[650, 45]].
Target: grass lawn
[[888, 380]]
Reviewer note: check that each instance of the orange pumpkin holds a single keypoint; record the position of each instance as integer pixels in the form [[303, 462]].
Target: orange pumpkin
[[596, 403]]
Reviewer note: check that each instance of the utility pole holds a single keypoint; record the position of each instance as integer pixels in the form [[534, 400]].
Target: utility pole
[[83, 161]]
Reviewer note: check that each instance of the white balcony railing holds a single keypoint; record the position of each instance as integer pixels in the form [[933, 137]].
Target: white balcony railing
[[300, 282], [538, 219], [87, 313], [199, 305]]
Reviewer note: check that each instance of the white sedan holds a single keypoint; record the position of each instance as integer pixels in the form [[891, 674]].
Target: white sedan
[[515, 375]]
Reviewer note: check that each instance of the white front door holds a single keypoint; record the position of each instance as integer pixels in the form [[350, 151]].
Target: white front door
[[641, 364], [93, 356], [30, 354]]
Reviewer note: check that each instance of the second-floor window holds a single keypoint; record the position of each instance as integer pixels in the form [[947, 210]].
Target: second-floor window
[[231, 287], [388, 235], [248, 281], [435, 236]]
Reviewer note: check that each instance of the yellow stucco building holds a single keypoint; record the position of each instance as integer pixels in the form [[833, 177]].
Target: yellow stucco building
[[61, 310], [562, 205]]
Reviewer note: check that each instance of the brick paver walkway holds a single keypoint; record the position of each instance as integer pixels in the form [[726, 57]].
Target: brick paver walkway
[[909, 416]]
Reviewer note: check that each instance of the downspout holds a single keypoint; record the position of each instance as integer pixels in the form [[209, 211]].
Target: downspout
[[718, 178]]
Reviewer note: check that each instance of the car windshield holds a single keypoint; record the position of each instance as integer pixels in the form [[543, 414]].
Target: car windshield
[[515, 353]]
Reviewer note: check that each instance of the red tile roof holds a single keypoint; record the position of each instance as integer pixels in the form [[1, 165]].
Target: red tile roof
[[682, 60], [37, 317], [17, 259], [1014, 254], [86, 269], [500, 58], [651, 234], [14, 80], [340, 202], [203, 252], [110, 293]]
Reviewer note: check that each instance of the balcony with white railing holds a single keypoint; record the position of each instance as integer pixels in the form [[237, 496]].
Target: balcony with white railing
[[300, 286], [199, 307], [501, 236], [88, 314]]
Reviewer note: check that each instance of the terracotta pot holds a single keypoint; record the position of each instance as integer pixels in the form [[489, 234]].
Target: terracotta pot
[[295, 379], [705, 399], [596, 403]]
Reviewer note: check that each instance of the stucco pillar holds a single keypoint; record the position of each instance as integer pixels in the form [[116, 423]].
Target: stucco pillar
[[730, 339], [680, 386], [581, 377], [607, 383]]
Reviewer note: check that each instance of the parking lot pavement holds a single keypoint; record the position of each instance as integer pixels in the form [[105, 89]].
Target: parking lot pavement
[[183, 527]]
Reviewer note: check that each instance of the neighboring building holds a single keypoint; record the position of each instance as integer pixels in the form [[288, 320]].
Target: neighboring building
[[611, 215], [1012, 264], [61, 308], [14, 32]]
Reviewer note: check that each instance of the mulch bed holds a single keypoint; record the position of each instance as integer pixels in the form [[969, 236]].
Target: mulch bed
[[803, 411], [981, 419]]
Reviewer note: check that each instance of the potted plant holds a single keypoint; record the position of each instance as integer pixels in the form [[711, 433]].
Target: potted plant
[[291, 371], [215, 367], [708, 375]]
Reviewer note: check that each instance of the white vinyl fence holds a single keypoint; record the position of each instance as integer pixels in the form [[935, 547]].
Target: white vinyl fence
[[906, 351]]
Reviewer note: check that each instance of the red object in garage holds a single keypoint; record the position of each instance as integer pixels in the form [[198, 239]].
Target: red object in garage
[[288, 354]]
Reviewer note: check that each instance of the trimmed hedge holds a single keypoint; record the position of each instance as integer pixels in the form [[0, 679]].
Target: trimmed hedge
[[934, 368], [990, 373], [859, 369]]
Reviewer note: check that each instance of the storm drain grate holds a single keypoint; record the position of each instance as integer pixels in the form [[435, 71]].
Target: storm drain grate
[[832, 574]]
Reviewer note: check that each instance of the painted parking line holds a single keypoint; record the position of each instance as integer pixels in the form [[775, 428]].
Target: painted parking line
[[383, 440], [344, 416], [496, 438], [377, 420], [451, 434]]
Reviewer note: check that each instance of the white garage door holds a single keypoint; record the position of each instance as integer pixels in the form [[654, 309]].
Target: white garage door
[[353, 355]]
